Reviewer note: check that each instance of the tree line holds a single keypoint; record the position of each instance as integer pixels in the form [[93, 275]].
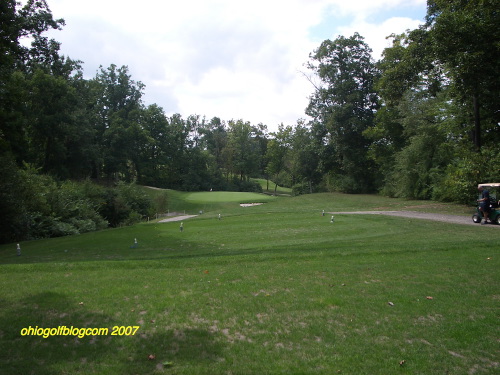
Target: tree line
[[422, 122]]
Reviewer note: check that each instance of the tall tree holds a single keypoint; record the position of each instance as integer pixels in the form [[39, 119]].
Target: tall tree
[[29, 21], [214, 139], [405, 68], [441, 80], [51, 107], [154, 157], [345, 103], [242, 153], [277, 149], [117, 106], [304, 157], [465, 36], [177, 149], [18, 23]]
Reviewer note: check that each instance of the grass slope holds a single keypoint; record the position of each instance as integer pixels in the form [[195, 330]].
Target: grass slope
[[270, 289]]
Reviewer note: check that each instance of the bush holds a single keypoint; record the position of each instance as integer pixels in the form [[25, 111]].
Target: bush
[[134, 198], [60, 229], [126, 204], [133, 218], [84, 226], [299, 189], [250, 186], [236, 184], [36, 206]]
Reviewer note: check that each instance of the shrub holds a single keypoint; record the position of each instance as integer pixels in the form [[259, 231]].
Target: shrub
[[299, 189], [36, 206], [60, 228], [125, 204], [237, 184], [250, 186], [133, 217]]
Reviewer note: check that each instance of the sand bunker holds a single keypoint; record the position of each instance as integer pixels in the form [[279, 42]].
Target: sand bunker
[[177, 218], [250, 204]]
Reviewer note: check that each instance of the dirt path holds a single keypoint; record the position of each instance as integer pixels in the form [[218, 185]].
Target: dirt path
[[457, 219]]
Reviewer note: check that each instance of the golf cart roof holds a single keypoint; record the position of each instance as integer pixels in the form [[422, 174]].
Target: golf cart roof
[[490, 184]]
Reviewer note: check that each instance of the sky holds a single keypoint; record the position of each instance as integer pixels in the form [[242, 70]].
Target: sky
[[230, 59]]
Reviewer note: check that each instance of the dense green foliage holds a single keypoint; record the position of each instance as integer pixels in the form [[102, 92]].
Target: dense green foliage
[[35, 205], [423, 122], [438, 130]]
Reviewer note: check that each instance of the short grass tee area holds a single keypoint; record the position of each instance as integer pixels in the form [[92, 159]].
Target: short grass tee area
[[271, 289]]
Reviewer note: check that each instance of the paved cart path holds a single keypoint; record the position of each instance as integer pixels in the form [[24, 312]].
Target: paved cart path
[[457, 219]]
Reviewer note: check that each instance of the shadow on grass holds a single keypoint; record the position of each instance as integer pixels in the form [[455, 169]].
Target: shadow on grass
[[70, 354]]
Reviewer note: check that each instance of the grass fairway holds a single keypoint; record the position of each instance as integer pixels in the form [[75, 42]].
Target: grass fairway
[[269, 289]]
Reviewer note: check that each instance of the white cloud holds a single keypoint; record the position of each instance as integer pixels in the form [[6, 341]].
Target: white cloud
[[376, 34], [225, 58], [364, 7]]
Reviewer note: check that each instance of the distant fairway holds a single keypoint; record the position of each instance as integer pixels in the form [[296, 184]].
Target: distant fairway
[[227, 197]]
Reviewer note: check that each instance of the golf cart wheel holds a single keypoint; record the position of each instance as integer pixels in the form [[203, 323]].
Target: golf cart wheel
[[497, 220], [476, 219]]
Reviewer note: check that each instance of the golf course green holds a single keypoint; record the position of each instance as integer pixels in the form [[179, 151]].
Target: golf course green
[[226, 197]]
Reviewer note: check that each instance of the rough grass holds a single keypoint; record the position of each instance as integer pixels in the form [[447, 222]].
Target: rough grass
[[270, 289]]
